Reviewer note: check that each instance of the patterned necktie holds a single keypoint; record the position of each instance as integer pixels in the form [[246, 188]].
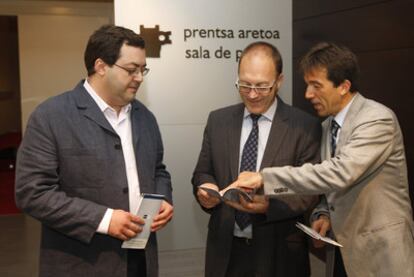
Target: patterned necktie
[[248, 163], [334, 131]]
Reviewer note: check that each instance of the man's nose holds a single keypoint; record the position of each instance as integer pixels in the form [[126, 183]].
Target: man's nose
[[139, 77], [308, 93], [253, 93]]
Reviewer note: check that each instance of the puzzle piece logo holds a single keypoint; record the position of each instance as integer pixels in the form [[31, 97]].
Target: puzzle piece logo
[[154, 39]]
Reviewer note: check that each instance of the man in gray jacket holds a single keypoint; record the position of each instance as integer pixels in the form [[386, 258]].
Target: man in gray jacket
[[86, 156], [363, 175]]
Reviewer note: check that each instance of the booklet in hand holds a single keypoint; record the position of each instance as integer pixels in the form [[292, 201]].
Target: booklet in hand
[[316, 235], [148, 208], [229, 195]]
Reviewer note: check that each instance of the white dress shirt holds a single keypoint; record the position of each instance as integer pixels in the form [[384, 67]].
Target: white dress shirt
[[340, 118], [121, 123]]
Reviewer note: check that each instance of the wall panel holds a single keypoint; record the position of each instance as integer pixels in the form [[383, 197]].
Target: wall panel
[[315, 8], [387, 25]]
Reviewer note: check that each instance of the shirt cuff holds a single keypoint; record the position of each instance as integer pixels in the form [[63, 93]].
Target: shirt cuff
[[316, 215], [104, 225]]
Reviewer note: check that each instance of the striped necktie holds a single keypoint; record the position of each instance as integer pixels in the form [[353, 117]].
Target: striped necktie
[[248, 163], [334, 131]]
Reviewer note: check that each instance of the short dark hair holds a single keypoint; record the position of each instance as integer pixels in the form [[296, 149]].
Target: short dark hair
[[339, 61], [269, 49], [106, 42]]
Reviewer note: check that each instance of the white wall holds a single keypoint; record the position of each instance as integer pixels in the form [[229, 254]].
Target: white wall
[[52, 38], [182, 91], [51, 56]]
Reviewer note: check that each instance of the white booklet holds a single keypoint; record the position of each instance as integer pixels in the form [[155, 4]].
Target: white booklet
[[149, 207], [316, 235]]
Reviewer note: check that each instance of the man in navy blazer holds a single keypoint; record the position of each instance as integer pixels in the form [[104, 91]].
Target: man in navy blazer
[[271, 245], [86, 156]]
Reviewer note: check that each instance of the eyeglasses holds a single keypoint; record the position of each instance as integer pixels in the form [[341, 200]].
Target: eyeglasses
[[245, 89], [135, 71]]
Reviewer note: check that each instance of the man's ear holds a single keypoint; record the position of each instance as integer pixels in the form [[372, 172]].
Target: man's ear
[[279, 81], [345, 87], [100, 67]]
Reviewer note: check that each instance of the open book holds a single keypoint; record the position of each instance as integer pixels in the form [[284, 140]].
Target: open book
[[229, 195], [316, 235]]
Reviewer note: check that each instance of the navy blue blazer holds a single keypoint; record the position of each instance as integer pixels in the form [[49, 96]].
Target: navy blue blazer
[[280, 249]]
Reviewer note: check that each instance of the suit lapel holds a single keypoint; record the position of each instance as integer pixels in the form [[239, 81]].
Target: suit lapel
[[138, 126], [234, 133], [90, 109], [136, 123], [350, 116], [278, 130]]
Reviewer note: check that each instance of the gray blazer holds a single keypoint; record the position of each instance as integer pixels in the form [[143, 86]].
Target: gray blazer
[[70, 169], [280, 248], [366, 188]]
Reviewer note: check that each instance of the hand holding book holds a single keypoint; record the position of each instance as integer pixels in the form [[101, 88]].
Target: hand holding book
[[316, 235], [228, 194], [205, 199]]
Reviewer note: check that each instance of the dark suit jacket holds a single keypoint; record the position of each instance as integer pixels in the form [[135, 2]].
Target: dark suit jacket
[[70, 169], [280, 248]]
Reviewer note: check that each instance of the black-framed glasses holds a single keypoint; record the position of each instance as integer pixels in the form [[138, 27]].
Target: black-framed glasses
[[245, 89], [134, 71]]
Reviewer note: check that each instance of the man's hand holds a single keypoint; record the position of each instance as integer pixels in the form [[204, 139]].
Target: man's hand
[[322, 225], [124, 225], [249, 181], [205, 199], [259, 205], [164, 216]]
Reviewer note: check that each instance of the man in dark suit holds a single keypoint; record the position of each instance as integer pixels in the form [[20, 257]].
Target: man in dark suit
[[86, 156], [265, 242]]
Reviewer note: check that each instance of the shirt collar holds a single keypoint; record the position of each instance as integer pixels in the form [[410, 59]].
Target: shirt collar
[[340, 117], [103, 106], [269, 114]]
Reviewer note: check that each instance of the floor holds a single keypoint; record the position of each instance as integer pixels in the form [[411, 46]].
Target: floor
[[20, 243]]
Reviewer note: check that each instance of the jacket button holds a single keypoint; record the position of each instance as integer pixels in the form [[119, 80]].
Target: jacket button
[[118, 146], [280, 190], [125, 190]]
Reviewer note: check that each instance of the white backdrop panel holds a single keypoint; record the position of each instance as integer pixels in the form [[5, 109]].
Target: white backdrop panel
[[184, 85], [184, 90]]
